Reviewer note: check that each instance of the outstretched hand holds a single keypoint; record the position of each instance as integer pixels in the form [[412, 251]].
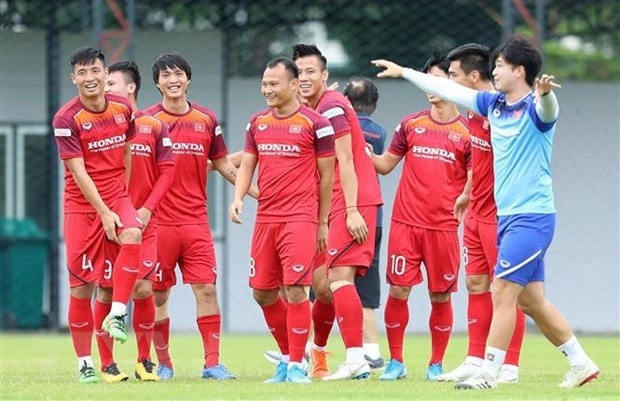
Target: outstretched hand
[[544, 85], [391, 69]]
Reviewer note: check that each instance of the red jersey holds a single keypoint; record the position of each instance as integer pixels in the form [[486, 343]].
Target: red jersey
[[482, 204], [338, 110], [437, 157], [196, 137], [99, 138], [287, 149], [152, 165]]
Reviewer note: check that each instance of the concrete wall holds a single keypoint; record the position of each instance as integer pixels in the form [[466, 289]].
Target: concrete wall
[[582, 264]]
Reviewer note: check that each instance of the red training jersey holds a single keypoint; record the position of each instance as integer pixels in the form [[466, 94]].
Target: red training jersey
[[196, 137], [482, 204], [99, 138], [287, 150], [152, 164], [437, 157], [338, 110]]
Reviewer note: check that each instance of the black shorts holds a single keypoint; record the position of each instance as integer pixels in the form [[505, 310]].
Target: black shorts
[[369, 286]]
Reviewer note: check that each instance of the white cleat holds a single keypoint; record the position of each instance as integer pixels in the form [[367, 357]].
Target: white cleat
[[275, 357], [462, 372], [508, 374], [579, 375], [355, 371], [272, 356], [481, 381]]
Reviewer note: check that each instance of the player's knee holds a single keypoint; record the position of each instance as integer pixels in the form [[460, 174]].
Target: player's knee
[[160, 298], [104, 295], [83, 291], [142, 289], [336, 284], [265, 298], [323, 293], [478, 283], [296, 294], [439, 297], [130, 236], [399, 292], [205, 293]]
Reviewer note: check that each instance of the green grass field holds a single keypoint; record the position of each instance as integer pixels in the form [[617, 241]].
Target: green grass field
[[42, 366]]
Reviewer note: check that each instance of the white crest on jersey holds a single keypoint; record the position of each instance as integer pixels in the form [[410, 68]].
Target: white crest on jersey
[[325, 131], [62, 132], [333, 112]]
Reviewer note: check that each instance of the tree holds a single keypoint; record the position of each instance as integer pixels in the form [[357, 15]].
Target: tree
[[406, 31]]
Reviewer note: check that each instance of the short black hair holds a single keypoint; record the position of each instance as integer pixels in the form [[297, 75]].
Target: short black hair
[[473, 56], [438, 59], [363, 94], [289, 65], [172, 61], [302, 50], [87, 56], [519, 50], [130, 72]]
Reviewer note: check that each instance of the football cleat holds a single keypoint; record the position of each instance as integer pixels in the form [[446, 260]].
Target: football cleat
[[577, 376], [87, 374], [115, 327], [144, 371], [393, 371], [355, 371], [112, 374], [217, 372]]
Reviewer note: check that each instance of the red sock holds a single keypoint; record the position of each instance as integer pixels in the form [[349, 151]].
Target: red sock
[[479, 314], [143, 321], [161, 340], [396, 317], [349, 315], [80, 318], [210, 330], [125, 272], [105, 343], [323, 319], [440, 324], [514, 348], [298, 320], [276, 318]]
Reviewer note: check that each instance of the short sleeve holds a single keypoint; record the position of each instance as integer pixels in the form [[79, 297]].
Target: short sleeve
[[399, 145], [67, 138], [325, 142]]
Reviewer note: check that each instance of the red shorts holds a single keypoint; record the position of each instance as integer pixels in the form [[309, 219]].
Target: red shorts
[[409, 246], [86, 242], [342, 249], [282, 254], [191, 246], [149, 257], [479, 246], [127, 213]]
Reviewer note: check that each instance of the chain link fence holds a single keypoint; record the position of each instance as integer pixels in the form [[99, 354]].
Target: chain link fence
[[228, 44]]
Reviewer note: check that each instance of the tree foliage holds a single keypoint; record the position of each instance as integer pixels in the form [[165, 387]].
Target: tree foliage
[[404, 31]]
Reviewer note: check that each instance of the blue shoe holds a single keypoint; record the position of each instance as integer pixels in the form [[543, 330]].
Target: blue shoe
[[217, 372], [295, 374], [395, 370], [280, 375], [165, 372], [433, 371]]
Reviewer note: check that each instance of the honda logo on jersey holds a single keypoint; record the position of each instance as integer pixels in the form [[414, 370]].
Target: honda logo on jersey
[[105, 144], [432, 153]]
